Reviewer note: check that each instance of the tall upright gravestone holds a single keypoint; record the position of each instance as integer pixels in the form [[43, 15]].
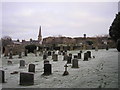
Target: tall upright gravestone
[[75, 63], [89, 54], [79, 55], [47, 69], [2, 76], [11, 54], [20, 55], [85, 57]]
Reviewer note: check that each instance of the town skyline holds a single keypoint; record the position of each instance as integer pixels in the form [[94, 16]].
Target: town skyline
[[65, 19]]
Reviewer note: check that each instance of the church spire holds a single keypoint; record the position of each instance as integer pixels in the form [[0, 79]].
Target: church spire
[[39, 36]]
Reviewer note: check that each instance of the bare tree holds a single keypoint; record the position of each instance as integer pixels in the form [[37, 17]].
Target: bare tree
[[6, 40]]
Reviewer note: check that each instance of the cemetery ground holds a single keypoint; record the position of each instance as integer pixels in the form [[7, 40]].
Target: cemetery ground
[[98, 72]]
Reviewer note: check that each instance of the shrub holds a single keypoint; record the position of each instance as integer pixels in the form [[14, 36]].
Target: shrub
[[31, 48], [118, 45]]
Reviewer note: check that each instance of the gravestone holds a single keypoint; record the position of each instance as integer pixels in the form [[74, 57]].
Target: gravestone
[[81, 51], [63, 53], [49, 53], [47, 69], [69, 60], [75, 63], [65, 57], [26, 78], [70, 55], [75, 56], [55, 57], [65, 72], [79, 56], [85, 57], [46, 61], [31, 68], [96, 48], [53, 52], [22, 63], [107, 48], [11, 54], [89, 54], [25, 52], [59, 53], [35, 52], [20, 55], [2, 76], [9, 62], [6, 52], [44, 56]]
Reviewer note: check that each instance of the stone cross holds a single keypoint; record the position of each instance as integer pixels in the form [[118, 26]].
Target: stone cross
[[65, 72]]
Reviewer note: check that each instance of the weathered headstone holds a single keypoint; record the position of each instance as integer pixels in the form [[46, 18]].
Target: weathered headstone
[[65, 57], [2, 76], [11, 54], [75, 63], [44, 56], [31, 68], [47, 69], [26, 78], [35, 52], [69, 60], [89, 54], [20, 55], [49, 53], [96, 48], [55, 57], [79, 56], [22, 63], [65, 72], [25, 52], [85, 57]]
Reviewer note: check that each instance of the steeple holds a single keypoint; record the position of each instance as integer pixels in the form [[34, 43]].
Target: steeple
[[39, 36]]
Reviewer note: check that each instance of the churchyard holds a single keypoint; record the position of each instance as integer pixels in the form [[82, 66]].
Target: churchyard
[[66, 69]]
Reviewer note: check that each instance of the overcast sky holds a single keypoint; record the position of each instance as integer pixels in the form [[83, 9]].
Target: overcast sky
[[21, 20]]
